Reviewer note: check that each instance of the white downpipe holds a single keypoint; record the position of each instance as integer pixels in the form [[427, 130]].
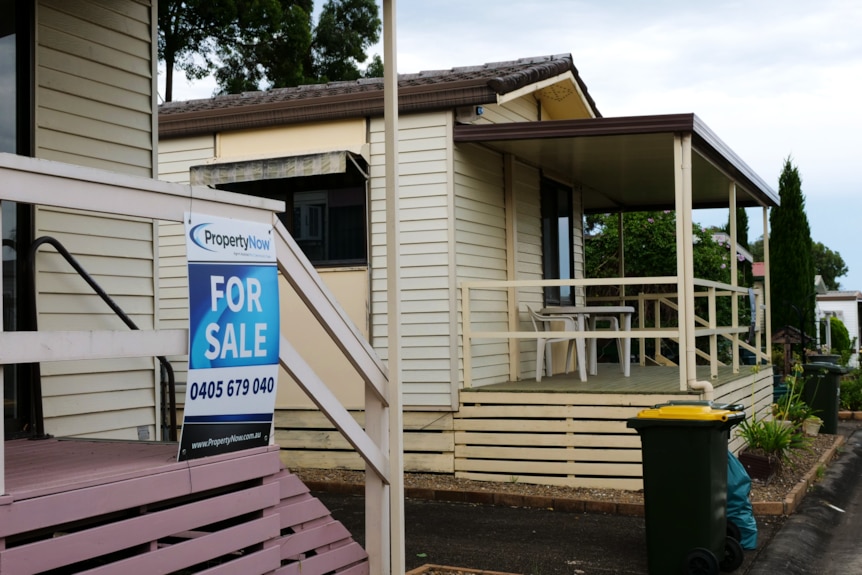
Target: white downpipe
[[704, 387], [685, 269]]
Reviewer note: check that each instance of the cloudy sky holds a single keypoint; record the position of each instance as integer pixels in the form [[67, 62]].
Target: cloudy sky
[[774, 79]]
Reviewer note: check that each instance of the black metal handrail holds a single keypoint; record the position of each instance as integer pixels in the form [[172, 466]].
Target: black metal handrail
[[36, 382]]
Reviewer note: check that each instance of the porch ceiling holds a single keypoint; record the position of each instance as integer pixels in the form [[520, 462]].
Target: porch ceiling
[[626, 164]]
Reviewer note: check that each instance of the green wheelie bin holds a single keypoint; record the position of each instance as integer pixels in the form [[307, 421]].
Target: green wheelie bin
[[822, 391], [684, 455]]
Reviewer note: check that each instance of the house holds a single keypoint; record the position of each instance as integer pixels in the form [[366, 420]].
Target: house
[[89, 480], [845, 305], [498, 164]]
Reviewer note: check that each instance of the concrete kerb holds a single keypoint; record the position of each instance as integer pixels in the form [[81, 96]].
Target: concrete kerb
[[573, 505]]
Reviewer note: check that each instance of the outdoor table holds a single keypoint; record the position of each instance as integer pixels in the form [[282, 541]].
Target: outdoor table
[[588, 315]]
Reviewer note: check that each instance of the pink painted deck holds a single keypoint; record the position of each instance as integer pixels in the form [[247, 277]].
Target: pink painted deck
[[100, 507]]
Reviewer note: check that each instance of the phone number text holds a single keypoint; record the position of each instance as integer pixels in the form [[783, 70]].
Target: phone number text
[[231, 388]]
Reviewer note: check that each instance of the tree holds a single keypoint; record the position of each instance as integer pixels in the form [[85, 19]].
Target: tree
[[186, 40], [791, 263], [374, 68], [252, 44], [829, 265], [346, 29], [650, 251], [756, 249], [650, 247], [268, 42], [746, 277]]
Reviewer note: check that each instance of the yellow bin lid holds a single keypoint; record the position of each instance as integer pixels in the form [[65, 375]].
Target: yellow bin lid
[[686, 412]]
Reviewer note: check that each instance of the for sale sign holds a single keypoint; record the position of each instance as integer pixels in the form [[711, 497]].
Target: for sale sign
[[233, 336]]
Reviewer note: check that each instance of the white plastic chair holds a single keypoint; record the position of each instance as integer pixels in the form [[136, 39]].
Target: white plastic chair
[[542, 326]]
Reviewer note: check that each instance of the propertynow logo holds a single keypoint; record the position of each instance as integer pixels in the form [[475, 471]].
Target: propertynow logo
[[207, 238]]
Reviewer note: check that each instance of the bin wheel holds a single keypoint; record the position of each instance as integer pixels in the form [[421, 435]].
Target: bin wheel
[[733, 555], [733, 530], [701, 561]]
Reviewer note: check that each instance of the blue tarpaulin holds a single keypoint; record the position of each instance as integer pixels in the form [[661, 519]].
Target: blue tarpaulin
[[739, 510]]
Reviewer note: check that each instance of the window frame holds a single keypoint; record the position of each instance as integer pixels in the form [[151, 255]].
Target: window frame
[[557, 204]]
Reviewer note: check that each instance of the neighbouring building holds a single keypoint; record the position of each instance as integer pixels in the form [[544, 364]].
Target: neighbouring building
[[498, 165]]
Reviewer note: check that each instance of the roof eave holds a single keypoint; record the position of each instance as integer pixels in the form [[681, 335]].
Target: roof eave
[[316, 109]]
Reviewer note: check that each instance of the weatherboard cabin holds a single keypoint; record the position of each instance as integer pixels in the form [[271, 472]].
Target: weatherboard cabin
[[90, 480], [498, 164]]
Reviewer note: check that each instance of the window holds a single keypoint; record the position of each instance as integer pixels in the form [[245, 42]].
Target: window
[[557, 240], [325, 214]]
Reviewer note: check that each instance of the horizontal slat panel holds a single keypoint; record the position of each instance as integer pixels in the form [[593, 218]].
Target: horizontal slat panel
[[314, 419], [413, 462], [622, 483], [521, 468], [194, 551], [546, 412], [550, 454], [98, 541], [630, 440], [329, 533], [318, 440], [326, 561], [541, 426]]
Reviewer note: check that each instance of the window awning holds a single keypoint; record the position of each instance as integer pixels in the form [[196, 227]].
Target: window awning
[[298, 166]]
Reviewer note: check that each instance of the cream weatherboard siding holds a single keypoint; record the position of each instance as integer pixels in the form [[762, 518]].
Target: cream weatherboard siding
[[528, 258], [176, 157], [348, 285], [108, 123], [427, 281], [107, 398], [480, 252], [524, 109], [105, 124]]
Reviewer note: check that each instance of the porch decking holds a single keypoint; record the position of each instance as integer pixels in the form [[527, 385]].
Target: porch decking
[[643, 380], [102, 507]]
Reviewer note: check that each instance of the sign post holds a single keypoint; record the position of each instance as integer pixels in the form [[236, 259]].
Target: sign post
[[233, 336]]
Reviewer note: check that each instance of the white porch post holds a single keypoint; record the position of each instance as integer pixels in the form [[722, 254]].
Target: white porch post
[[2, 383], [511, 264], [390, 545], [767, 283], [684, 260], [734, 280]]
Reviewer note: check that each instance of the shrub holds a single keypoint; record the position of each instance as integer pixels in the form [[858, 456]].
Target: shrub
[[840, 335], [772, 437], [851, 392]]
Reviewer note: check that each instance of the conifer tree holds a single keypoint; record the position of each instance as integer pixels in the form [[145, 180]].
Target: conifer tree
[[791, 264]]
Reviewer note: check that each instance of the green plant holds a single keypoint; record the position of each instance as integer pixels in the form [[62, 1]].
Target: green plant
[[851, 392], [820, 472], [791, 407], [769, 437]]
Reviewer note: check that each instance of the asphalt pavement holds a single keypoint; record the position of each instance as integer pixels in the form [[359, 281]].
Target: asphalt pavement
[[821, 537]]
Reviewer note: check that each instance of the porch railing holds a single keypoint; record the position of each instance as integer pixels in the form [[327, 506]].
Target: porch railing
[[657, 319], [42, 182]]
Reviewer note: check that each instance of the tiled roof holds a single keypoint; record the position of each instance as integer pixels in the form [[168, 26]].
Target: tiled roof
[[432, 89]]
